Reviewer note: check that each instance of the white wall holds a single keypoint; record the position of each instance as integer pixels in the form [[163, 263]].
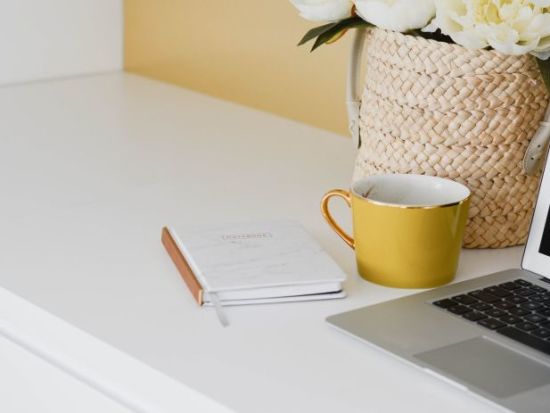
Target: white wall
[[54, 38]]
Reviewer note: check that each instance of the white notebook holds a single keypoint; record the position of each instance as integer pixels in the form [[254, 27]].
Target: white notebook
[[253, 263]]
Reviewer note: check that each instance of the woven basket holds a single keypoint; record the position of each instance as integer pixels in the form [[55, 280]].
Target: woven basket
[[435, 108]]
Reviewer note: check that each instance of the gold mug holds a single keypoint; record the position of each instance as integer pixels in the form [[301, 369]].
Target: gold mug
[[407, 229]]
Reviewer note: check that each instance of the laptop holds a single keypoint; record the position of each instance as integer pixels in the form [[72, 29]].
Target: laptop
[[489, 336]]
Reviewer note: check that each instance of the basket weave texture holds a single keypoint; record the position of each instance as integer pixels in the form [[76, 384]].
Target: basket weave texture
[[439, 109]]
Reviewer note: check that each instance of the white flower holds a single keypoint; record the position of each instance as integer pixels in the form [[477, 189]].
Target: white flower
[[323, 10], [510, 26], [396, 15]]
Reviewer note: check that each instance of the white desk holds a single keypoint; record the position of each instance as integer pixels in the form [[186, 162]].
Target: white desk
[[91, 168]]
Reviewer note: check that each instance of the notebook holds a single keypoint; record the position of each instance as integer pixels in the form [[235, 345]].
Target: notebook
[[253, 263]]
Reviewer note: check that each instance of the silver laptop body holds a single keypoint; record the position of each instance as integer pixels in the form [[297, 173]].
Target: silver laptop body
[[497, 360]]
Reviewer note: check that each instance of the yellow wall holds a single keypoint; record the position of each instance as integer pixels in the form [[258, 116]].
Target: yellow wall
[[239, 50]]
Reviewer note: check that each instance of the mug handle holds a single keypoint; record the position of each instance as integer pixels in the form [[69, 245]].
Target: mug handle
[[328, 217]]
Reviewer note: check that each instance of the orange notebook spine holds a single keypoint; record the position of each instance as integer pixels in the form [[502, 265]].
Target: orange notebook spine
[[182, 265]]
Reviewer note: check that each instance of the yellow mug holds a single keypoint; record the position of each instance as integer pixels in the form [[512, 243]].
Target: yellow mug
[[407, 229]]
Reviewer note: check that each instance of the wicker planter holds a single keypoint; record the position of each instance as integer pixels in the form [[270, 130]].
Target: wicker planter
[[469, 115]]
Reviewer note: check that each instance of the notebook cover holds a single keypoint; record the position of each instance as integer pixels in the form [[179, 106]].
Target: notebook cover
[[181, 264], [255, 255]]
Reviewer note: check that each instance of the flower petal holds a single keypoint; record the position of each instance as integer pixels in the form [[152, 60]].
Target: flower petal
[[396, 15], [323, 10]]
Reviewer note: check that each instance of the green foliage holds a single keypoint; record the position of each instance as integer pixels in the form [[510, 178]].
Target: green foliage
[[313, 33], [544, 66], [332, 31], [437, 35]]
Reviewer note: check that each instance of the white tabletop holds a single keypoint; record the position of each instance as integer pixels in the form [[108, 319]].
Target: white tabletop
[[23, 378], [91, 168]]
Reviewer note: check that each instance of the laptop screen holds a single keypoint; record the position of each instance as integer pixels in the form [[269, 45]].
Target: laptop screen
[[536, 257], [545, 242]]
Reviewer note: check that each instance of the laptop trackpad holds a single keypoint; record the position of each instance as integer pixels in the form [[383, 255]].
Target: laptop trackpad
[[488, 366]]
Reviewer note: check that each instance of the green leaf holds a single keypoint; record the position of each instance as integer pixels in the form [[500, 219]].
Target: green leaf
[[336, 30], [313, 33], [544, 66], [326, 37], [437, 35]]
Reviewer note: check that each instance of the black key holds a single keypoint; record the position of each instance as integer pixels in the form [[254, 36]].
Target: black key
[[545, 324], [546, 302], [483, 296], [504, 305], [530, 306], [536, 298], [491, 323], [446, 303], [525, 338], [480, 306], [541, 333], [459, 309], [534, 318], [523, 283], [464, 299], [526, 326], [519, 311], [539, 289], [474, 316], [545, 311], [499, 292], [510, 319], [525, 292], [516, 299], [510, 285], [495, 312]]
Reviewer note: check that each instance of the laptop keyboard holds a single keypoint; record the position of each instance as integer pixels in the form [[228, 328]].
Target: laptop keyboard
[[517, 309]]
